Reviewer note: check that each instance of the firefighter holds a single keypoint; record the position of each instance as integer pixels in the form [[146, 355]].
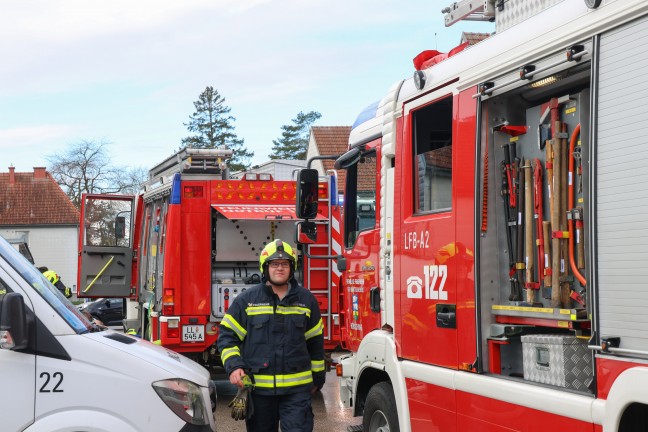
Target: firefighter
[[271, 340], [55, 279]]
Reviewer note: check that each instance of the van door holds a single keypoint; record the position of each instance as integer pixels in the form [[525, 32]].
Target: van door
[[106, 232], [17, 376]]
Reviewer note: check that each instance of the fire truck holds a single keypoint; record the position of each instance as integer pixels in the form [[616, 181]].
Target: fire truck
[[501, 283], [189, 243]]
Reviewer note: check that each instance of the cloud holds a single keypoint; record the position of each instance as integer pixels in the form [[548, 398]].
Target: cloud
[[21, 137]]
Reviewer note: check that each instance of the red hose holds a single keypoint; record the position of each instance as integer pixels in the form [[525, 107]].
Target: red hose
[[570, 203]]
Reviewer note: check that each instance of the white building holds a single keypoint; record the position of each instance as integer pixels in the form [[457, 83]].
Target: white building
[[36, 212], [279, 169]]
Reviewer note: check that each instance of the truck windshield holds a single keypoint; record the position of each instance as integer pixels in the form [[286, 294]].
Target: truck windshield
[[52, 295]]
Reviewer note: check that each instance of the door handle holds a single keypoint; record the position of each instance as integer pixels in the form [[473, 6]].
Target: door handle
[[446, 316]]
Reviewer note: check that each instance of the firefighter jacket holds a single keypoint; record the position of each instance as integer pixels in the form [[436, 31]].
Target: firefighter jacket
[[279, 342]]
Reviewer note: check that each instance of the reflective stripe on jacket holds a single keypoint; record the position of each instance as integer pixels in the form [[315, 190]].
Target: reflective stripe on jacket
[[280, 342]]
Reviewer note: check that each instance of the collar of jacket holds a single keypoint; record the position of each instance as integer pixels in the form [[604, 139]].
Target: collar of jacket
[[292, 288]]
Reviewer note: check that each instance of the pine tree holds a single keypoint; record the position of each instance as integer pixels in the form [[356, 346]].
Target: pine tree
[[293, 143], [212, 126]]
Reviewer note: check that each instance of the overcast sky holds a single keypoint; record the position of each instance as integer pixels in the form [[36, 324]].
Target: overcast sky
[[128, 71]]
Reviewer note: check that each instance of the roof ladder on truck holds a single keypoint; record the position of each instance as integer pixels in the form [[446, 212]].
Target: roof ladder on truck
[[192, 161], [469, 10], [321, 275]]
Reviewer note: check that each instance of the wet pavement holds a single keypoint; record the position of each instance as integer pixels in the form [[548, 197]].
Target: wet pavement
[[330, 415]]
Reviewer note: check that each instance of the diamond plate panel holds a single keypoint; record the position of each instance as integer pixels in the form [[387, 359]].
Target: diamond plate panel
[[516, 11], [559, 360]]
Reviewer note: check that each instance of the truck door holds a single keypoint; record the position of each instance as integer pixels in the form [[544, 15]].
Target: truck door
[[362, 243], [105, 246], [17, 377], [427, 276]]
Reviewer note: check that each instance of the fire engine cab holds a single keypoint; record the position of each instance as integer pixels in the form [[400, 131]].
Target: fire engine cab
[[189, 243], [501, 283]]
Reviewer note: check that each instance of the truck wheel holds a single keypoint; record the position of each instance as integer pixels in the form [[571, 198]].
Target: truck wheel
[[380, 410]]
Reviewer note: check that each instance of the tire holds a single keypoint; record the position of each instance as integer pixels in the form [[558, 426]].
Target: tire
[[380, 413]]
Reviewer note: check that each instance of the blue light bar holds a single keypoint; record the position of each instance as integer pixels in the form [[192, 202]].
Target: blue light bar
[[367, 114], [176, 189], [333, 191]]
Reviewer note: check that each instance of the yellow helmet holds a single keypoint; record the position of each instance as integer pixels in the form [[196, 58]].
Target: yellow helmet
[[276, 250], [51, 276]]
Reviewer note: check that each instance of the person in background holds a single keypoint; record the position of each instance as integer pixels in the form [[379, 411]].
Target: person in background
[[55, 279], [271, 340]]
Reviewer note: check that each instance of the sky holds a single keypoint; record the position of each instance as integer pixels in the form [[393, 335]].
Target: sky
[[127, 72]]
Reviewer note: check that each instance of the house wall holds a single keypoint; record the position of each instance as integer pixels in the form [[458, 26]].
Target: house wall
[[278, 170], [54, 247]]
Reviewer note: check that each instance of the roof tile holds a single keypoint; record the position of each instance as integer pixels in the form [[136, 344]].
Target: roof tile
[[332, 140], [34, 201]]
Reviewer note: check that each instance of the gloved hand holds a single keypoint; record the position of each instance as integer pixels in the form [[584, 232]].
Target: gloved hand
[[68, 292], [242, 404], [239, 404]]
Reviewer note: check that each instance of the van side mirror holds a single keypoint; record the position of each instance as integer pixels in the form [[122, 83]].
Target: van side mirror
[[14, 332], [307, 196]]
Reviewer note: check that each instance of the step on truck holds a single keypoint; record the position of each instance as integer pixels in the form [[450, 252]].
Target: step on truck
[[501, 284], [189, 243]]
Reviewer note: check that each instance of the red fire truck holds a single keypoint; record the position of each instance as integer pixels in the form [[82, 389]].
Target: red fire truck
[[501, 284], [189, 243]]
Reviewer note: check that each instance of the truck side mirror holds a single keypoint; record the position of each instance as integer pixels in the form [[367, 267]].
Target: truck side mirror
[[348, 159], [306, 232], [120, 227], [307, 196], [341, 264], [14, 332]]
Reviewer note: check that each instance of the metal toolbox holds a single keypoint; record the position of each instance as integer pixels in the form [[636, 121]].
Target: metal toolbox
[[560, 360]]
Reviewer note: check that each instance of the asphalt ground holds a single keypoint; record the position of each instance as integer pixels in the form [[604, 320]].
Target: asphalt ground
[[330, 415]]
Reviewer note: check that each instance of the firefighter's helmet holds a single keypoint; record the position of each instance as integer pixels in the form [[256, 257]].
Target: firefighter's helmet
[[51, 276], [277, 250]]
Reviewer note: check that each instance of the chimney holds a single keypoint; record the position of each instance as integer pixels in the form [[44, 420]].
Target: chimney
[[12, 175], [39, 173]]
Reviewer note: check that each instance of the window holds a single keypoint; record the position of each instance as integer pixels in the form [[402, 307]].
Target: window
[[432, 144], [360, 199], [108, 222]]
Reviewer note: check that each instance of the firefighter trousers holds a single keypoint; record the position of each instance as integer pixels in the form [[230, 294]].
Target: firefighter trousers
[[293, 411]]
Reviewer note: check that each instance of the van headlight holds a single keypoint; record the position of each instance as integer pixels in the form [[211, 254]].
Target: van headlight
[[183, 398]]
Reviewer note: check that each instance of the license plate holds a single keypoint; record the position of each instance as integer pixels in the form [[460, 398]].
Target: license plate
[[193, 333]]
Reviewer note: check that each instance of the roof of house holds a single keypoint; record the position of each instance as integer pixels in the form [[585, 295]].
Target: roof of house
[[473, 38], [332, 140], [34, 198]]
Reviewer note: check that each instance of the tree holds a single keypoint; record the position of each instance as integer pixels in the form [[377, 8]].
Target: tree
[[85, 167], [212, 127], [293, 143]]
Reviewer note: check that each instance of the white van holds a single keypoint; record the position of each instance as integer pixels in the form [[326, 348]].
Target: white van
[[60, 372]]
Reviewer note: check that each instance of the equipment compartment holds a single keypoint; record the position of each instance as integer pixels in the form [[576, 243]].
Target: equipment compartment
[[533, 243]]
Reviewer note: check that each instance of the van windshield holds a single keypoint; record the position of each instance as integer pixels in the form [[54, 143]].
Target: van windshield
[[52, 295]]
